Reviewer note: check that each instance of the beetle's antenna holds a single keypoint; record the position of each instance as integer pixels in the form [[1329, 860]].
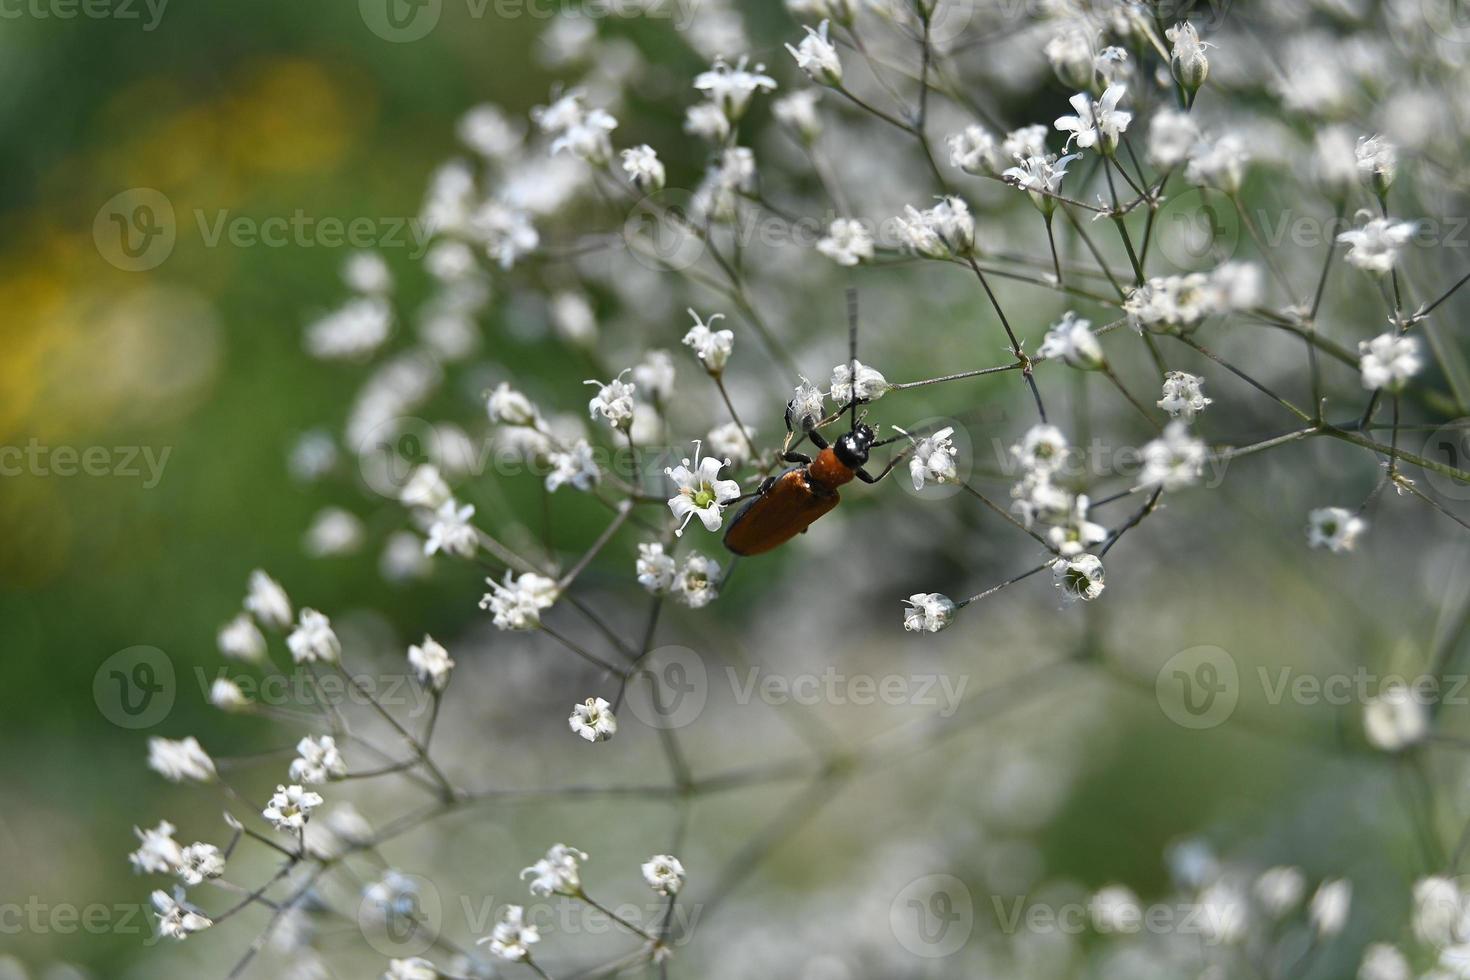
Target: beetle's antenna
[[852, 332]]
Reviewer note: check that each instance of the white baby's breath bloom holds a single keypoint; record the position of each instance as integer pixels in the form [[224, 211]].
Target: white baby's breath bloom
[[158, 852], [333, 531], [1041, 176], [509, 406], [1441, 911], [1376, 245], [847, 242], [1335, 159], [512, 937], [226, 695], [1395, 719], [1071, 340], [516, 604], [1116, 909], [975, 150], [655, 569], [1334, 528], [317, 761], [708, 121], [933, 458], [431, 663], [1388, 361], [313, 639], [1073, 533], [664, 874], [347, 824], [1330, 905], [1184, 396], [798, 111], [1378, 162], [451, 261], [1028, 141], [199, 861], [806, 407], [593, 720], [698, 581], [1073, 53], [928, 612], [1078, 577], [403, 558], [701, 493], [352, 332], [1099, 123], [425, 488], [945, 230], [712, 347], [1175, 460], [290, 807], [1038, 498], [1171, 135], [576, 467], [367, 272], [817, 56], [1187, 59], [1280, 889], [505, 232], [644, 168], [572, 317], [613, 401], [241, 639], [1383, 962], [267, 601], [180, 760], [1043, 448], [871, 385], [451, 532], [416, 968], [488, 131], [731, 87], [558, 873], [175, 919], [1219, 164], [731, 442], [1222, 912], [654, 376]]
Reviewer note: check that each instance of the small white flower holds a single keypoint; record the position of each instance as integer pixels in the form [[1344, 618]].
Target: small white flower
[[1074, 533], [1073, 53], [593, 720], [1383, 962], [367, 272], [1071, 340], [1440, 912], [1378, 162], [430, 663], [732, 88], [1079, 577], [582, 131], [175, 920], [490, 132], [576, 466], [1028, 141], [199, 861], [1395, 719], [1280, 889], [180, 761], [425, 488], [943, 231], [290, 807], [313, 639], [451, 261], [1334, 528], [1223, 911], [1219, 164], [1375, 247], [333, 531], [1388, 361], [701, 492], [1171, 135], [241, 639], [509, 406], [1335, 159], [517, 603], [1183, 395], [871, 385], [158, 852], [1037, 498], [731, 443], [656, 570], [226, 695], [1043, 448], [644, 168], [1097, 123], [817, 56], [317, 761], [1188, 60], [1175, 460], [512, 937], [975, 151], [416, 968], [1330, 906], [267, 601], [698, 581], [932, 459], [806, 408], [664, 874], [1041, 175], [847, 242], [928, 612], [451, 532], [573, 317], [654, 376], [712, 347], [506, 232], [352, 332], [1115, 909], [558, 873], [708, 121], [613, 401], [798, 110]]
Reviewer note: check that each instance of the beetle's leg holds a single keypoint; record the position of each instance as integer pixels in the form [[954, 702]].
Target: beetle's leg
[[867, 477], [801, 458], [818, 440]]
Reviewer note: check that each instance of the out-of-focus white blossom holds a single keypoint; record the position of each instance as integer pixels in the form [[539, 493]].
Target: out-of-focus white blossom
[[241, 639], [1173, 461], [267, 601], [451, 532], [431, 663], [644, 168], [1330, 905], [847, 242], [731, 87], [516, 604], [1334, 528], [1071, 340], [1395, 719], [1388, 361], [181, 760], [313, 641], [1375, 246]]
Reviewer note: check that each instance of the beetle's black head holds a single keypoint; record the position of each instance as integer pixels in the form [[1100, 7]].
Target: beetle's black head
[[852, 449]]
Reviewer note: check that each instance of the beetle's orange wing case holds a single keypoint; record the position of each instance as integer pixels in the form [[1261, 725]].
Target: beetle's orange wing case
[[778, 515]]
